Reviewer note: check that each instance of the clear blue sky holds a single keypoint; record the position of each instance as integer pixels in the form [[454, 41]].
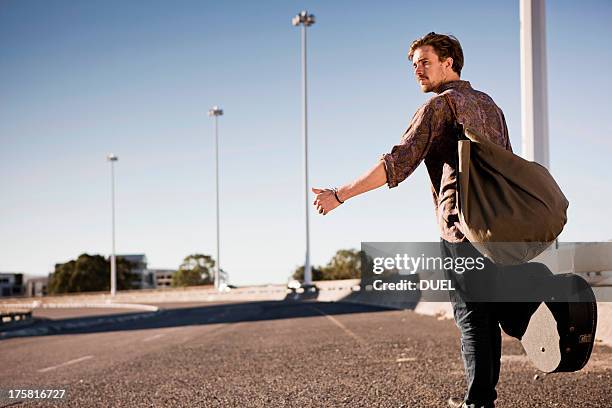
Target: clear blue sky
[[81, 79]]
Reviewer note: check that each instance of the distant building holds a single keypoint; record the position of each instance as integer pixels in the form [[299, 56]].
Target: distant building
[[145, 279], [11, 284], [163, 277], [37, 286]]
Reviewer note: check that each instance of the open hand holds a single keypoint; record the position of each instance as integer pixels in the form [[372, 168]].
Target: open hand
[[325, 200]]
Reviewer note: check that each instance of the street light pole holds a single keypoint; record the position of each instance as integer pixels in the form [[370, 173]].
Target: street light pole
[[305, 20], [534, 91], [113, 261], [216, 112]]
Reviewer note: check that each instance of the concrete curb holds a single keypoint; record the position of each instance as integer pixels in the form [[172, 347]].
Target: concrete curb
[[79, 305], [48, 327]]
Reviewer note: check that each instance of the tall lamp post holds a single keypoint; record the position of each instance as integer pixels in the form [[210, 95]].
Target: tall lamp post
[[113, 261], [215, 112], [305, 20], [534, 91]]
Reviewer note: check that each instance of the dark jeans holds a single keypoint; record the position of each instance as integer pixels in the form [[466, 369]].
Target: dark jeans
[[479, 326], [482, 301]]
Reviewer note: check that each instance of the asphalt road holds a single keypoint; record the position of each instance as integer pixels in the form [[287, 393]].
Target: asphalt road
[[276, 354]]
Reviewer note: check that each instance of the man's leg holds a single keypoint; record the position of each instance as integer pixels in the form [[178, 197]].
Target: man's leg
[[481, 351], [480, 332]]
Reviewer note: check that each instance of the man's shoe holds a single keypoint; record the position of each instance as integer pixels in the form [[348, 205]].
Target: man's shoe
[[455, 402]]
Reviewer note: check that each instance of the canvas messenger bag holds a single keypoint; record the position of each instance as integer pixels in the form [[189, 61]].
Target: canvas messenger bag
[[510, 209]]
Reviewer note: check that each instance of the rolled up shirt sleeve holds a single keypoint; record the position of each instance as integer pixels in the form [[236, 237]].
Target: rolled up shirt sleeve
[[405, 157]]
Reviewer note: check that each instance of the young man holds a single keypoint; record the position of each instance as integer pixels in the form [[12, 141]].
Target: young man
[[432, 137]]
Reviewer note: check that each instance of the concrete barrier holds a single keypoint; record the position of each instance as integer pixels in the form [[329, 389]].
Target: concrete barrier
[[145, 296]]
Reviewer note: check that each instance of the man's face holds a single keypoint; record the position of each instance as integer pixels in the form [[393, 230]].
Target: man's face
[[429, 71]]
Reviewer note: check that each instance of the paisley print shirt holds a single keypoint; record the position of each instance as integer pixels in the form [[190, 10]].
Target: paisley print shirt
[[432, 137]]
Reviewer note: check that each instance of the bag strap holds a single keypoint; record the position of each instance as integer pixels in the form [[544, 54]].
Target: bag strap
[[458, 125], [450, 105], [460, 136]]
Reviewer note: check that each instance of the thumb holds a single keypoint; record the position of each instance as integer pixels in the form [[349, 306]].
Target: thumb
[[316, 190]]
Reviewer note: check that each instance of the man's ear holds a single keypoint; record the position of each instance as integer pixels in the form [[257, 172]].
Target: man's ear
[[448, 62]]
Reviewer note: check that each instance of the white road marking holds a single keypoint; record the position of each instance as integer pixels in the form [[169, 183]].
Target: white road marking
[[340, 325], [157, 336], [67, 363]]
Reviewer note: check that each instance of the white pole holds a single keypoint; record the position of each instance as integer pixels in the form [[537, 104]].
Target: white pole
[[304, 19], [534, 99], [113, 261], [218, 264], [307, 268], [216, 112]]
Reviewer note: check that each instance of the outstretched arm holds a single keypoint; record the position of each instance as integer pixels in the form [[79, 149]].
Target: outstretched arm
[[427, 123], [325, 199]]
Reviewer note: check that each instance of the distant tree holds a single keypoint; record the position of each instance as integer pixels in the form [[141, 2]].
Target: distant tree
[[89, 273], [186, 277], [196, 269], [125, 277], [345, 264], [317, 273]]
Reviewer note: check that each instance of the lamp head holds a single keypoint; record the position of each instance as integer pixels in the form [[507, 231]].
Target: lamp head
[[303, 18], [215, 111]]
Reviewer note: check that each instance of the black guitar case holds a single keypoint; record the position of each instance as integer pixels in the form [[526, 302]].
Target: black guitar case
[[561, 332], [555, 320]]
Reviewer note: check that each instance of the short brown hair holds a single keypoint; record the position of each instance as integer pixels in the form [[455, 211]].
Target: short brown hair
[[444, 46]]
